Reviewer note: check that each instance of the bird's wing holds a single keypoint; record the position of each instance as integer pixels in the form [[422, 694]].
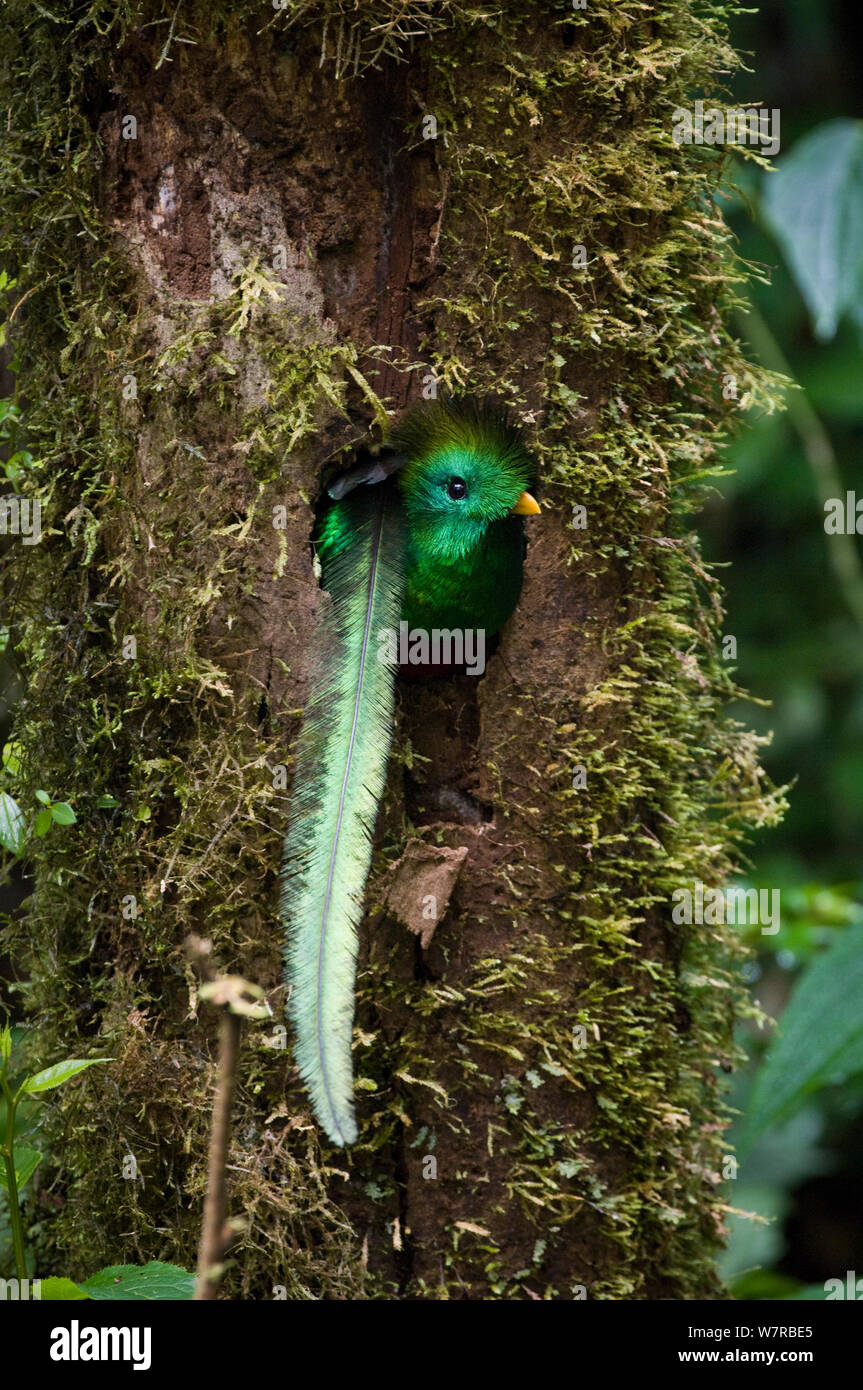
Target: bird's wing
[[369, 472]]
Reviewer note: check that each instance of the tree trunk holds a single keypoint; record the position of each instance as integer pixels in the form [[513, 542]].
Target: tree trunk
[[241, 229]]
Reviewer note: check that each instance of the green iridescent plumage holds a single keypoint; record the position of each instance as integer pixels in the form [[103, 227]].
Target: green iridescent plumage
[[430, 540], [464, 555]]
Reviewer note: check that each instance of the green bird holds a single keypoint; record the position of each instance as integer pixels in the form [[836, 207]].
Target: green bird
[[430, 535]]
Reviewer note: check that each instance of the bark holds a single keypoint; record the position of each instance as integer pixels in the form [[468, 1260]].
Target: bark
[[218, 308]]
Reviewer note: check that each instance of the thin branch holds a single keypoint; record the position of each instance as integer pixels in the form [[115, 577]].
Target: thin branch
[[215, 1234], [237, 999]]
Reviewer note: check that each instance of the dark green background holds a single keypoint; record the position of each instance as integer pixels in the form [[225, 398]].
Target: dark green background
[[801, 648]]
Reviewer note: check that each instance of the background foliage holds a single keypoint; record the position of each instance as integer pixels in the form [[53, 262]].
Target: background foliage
[[793, 603]]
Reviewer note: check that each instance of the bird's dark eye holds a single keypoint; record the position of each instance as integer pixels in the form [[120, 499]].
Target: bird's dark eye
[[456, 488]]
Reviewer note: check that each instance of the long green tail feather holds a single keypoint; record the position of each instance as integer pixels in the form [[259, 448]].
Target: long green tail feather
[[341, 764]]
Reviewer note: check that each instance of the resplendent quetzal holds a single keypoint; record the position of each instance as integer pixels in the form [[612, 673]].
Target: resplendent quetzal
[[431, 535]]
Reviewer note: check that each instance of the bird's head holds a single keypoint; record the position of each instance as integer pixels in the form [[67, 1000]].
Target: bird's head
[[465, 468]]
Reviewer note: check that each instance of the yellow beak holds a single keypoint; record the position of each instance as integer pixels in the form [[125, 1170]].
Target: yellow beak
[[526, 506]]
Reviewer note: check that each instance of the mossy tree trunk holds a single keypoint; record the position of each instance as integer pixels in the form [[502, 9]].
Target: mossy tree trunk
[[240, 229]]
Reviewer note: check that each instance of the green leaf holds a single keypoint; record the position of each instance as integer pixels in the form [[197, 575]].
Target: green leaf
[[58, 1074], [813, 206], [44, 798], [107, 802], [60, 1291], [42, 823], [12, 755], [20, 460], [26, 1163], [811, 1293], [13, 826], [5, 1043], [820, 1040], [63, 814], [151, 1282]]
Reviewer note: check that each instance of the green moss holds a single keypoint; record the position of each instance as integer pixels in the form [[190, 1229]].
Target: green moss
[[564, 130]]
